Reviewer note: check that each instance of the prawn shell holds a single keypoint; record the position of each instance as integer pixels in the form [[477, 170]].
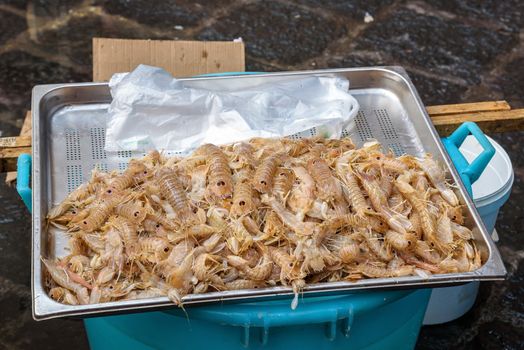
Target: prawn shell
[[176, 196], [265, 173], [243, 201], [243, 284], [132, 210], [327, 188], [243, 156], [154, 249], [349, 253], [388, 163], [98, 214], [283, 182], [353, 193], [219, 179], [128, 177]]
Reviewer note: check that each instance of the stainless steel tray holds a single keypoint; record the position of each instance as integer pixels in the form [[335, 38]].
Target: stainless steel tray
[[69, 123]]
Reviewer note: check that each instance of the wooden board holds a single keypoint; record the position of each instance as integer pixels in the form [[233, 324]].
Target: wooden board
[[489, 122], [461, 108], [27, 127], [10, 163], [180, 58], [15, 141]]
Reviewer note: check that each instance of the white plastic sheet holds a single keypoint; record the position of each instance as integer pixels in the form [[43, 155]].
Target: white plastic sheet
[[153, 110]]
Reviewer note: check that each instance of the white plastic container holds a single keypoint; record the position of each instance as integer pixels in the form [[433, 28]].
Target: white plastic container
[[493, 187], [490, 192]]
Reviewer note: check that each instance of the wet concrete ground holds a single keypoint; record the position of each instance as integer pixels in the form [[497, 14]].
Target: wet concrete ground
[[454, 50]]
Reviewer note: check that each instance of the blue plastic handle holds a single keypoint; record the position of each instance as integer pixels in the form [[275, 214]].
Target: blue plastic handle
[[327, 310], [23, 179], [469, 173]]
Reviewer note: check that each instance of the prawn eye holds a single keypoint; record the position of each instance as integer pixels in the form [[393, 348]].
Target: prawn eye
[[166, 249], [84, 222], [241, 203], [145, 172], [263, 182], [221, 183], [378, 157], [157, 225], [109, 191], [135, 214]]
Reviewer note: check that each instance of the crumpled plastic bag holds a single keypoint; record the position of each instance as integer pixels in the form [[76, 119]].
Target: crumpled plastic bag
[[152, 110]]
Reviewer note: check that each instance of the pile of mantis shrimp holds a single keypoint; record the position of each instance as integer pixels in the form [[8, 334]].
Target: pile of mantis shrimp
[[257, 214]]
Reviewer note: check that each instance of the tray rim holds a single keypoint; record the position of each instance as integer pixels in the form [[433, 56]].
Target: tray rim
[[46, 308]]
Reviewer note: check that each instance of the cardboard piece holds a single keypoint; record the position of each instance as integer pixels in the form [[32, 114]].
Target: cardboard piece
[[180, 58]]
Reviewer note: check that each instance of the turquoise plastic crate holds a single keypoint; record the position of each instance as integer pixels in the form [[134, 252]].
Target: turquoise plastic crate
[[364, 320]]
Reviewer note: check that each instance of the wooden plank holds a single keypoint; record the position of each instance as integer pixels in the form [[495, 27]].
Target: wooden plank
[[27, 127], [8, 159], [489, 122], [15, 141], [10, 164], [461, 108], [13, 152], [180, 58]]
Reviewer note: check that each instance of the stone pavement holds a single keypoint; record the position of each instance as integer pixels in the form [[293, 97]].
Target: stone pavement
[[454, 50]]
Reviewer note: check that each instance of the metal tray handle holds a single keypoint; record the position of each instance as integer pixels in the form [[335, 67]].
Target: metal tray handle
[[469, 173]]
